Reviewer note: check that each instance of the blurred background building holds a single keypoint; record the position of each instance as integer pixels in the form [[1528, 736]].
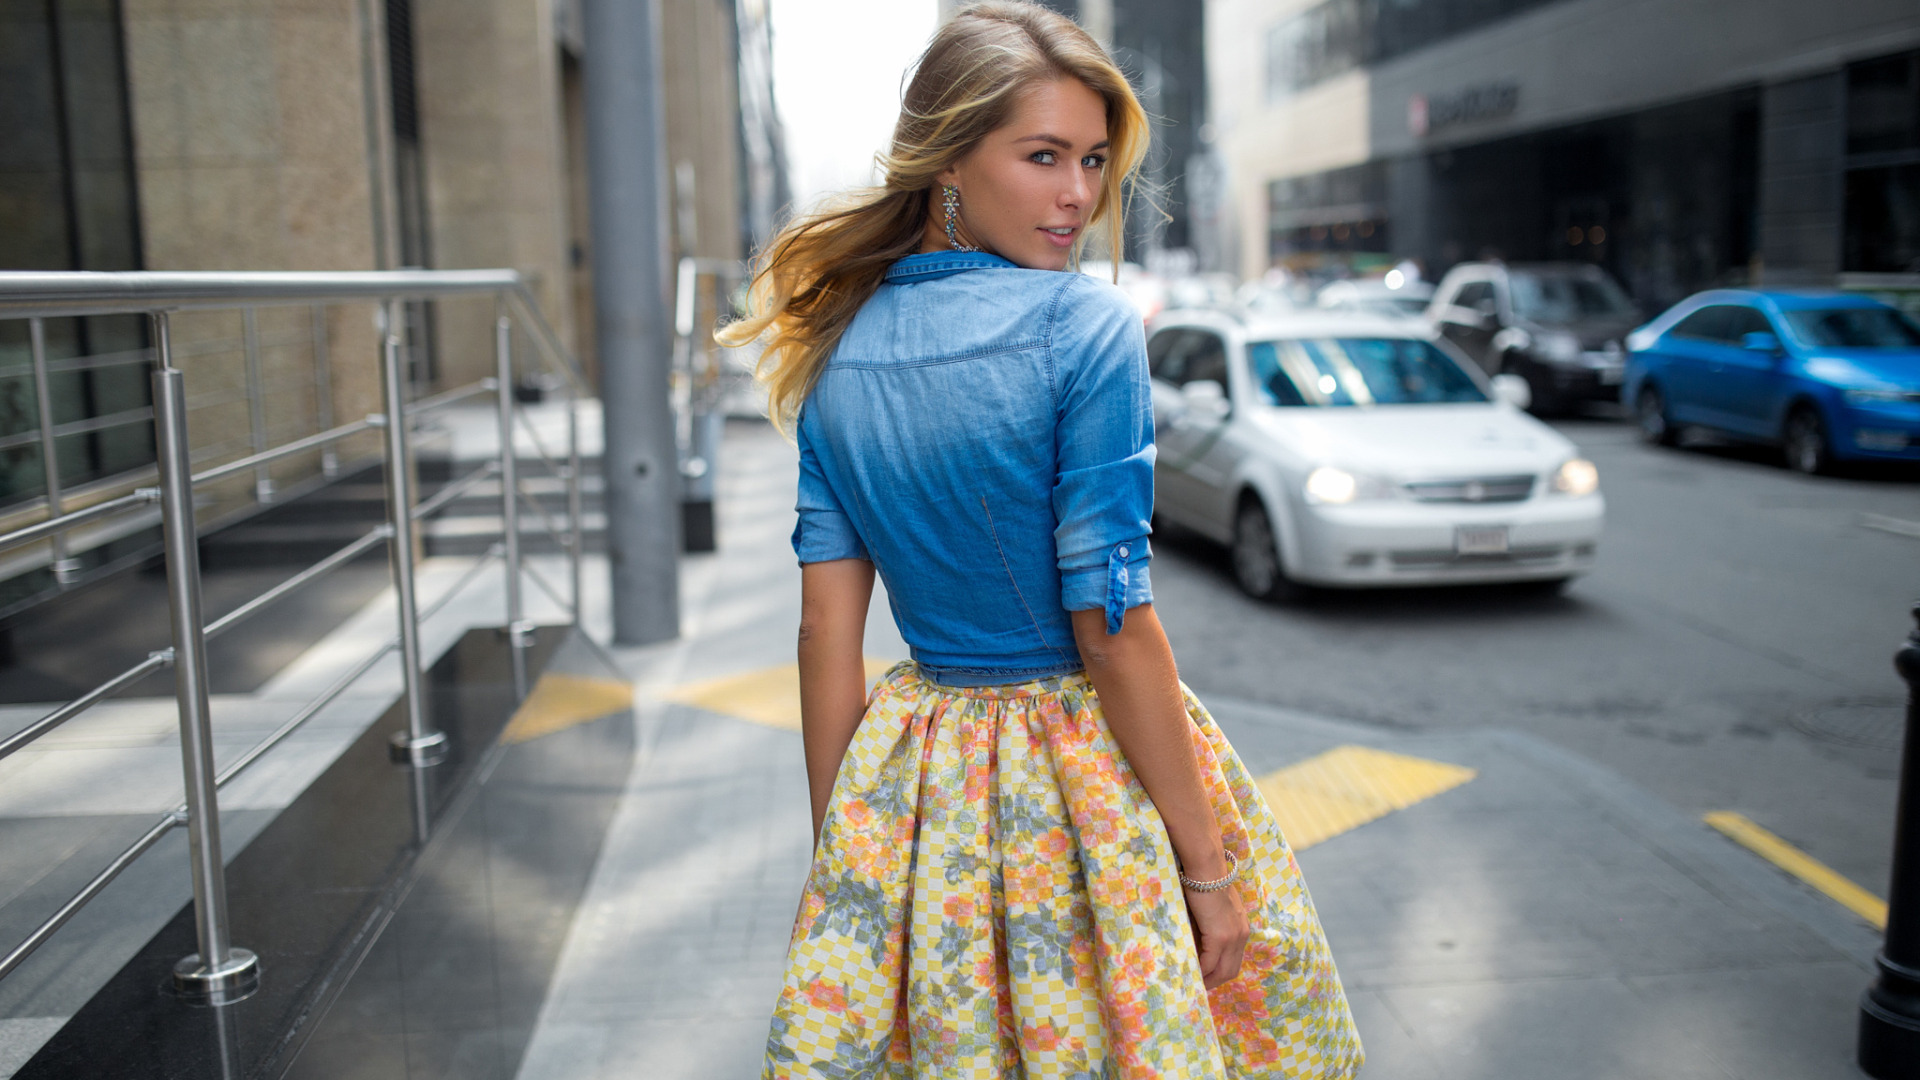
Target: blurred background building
[[327, 135], [1680, 144]]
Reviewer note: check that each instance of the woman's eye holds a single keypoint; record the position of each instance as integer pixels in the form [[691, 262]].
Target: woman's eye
[[1043, 157], [1093, 161]]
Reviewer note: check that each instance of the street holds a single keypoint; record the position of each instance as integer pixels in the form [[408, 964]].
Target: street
[[1731, 652]]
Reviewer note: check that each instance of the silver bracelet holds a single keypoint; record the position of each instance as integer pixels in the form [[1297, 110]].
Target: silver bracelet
[[1233, 875]]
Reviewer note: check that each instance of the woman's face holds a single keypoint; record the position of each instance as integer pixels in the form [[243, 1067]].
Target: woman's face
[[1027, 190]]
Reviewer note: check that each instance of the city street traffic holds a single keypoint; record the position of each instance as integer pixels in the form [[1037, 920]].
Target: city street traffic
[[1731, 649]]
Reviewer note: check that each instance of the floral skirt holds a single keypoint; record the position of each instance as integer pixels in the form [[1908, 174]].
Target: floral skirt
[[994, 896]]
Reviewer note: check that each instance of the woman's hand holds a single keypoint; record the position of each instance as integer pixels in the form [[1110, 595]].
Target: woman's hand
[[1220, 932]]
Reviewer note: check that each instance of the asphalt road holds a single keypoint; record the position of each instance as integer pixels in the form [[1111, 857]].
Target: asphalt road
[[1731, 651]]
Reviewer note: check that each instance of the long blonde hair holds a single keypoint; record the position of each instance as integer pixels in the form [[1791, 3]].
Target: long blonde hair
[[815, 274]]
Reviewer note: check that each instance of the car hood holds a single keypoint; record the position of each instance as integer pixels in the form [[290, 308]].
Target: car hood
[[1412, 442], [1593, 333], [1865, 367]]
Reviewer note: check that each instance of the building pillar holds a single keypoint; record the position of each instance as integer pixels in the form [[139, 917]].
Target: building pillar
[[1802, 146]]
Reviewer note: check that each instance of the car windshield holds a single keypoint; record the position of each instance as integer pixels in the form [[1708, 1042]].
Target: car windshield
[[1566, 298], [1358, 371], [1854, 328]]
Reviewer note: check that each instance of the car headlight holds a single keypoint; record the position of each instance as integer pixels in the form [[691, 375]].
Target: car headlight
[[1327, 484], [1576, 476], [1557, 345], [1332, 486], [1880, 397]]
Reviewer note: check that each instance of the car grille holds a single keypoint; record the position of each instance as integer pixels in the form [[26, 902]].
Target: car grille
[[1475, 489]]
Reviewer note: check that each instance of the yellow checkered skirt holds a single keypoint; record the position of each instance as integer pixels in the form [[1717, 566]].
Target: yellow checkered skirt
[[994, 896]]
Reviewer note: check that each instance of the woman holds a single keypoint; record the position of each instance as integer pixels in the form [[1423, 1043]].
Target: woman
[[1035, 854]]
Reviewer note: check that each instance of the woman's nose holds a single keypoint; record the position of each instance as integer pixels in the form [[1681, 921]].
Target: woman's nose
[[1078, 190]]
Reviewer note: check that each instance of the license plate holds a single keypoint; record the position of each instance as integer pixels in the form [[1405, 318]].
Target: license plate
[[1480, 540], [1612, 376]]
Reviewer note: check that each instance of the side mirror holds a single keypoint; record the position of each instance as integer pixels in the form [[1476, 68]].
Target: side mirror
[[1761, 341], [1513, 390], [1206, 400]]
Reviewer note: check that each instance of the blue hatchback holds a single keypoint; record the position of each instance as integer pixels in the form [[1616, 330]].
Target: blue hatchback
[[1826, 376]]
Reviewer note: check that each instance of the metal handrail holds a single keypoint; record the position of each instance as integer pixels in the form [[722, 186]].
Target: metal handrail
[[220, 968]]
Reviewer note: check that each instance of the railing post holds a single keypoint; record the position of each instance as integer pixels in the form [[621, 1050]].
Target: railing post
[[256, 402], [323, 391], [509, 496], [419, 744], [575, 531], [219, 971], [65, 567]]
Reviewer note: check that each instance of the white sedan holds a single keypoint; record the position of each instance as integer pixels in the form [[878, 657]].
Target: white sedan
[[1340, 449]]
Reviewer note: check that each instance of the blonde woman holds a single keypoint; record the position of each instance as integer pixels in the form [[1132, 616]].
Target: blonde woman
[[1035, 853]]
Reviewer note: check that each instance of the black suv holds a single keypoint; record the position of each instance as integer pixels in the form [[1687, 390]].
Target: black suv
[[1557, 325]]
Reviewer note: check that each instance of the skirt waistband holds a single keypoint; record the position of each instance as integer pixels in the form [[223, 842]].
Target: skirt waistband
[[908, 671]]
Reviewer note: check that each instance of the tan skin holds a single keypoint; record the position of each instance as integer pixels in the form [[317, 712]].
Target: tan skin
[[1024, 187]]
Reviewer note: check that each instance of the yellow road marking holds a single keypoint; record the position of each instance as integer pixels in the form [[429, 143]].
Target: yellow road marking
[[1348, 786], [769, 696], [559, 701], [1744, 832]]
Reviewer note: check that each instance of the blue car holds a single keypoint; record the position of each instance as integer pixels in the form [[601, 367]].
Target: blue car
[[1828, 377]]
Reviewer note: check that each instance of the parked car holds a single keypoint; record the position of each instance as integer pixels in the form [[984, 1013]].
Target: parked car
[[1392, 296], [1557, 325], [1828, 377], [1349, 450]]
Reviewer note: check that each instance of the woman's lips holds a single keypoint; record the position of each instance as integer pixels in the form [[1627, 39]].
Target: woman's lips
[[1061, 238]]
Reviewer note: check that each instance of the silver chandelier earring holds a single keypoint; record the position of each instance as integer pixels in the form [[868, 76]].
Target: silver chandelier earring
[[950, 202]]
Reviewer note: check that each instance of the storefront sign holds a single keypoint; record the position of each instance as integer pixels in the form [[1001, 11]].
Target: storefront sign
[[1488, 101]]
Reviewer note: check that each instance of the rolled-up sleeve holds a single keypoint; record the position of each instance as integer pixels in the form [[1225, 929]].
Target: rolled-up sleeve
[[1103, 490], [824, 532]]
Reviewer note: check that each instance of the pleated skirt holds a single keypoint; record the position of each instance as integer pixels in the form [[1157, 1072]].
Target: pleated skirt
[[995, 897]]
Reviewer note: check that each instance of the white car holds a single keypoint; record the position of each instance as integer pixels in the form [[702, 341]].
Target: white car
[[1347, 450]]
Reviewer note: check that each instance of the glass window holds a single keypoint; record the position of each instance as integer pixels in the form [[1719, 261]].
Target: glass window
[[1854, 328], [1359, 371], [1473, 294], [1707, 324], [1745, 320], [1563, 298], [1208, 359]]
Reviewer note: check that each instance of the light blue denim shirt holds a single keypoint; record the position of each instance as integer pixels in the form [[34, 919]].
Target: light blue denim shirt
[[984, 434]]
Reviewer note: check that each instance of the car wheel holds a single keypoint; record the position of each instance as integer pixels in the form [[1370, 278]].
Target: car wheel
[[1256, 556], [1650, 409], [1805, 441]]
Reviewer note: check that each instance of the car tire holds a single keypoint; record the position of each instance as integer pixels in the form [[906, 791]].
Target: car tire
[[1544, 586], [1257, 566], [1650, 413], [1804, 441]]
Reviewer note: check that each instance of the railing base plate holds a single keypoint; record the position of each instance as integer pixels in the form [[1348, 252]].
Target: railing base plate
[[428, 749], [235, 980]]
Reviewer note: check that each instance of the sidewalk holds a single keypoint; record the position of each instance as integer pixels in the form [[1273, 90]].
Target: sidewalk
[[1545, 918]]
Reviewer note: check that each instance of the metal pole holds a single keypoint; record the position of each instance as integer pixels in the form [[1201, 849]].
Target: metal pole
[[420, 744], [256, 402], [323, 391], [65, 567], [219, 970], [1889, 1046], [626, 154], [509, 502]]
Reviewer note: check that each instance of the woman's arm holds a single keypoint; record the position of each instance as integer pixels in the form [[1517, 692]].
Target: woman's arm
[[1139, 690], [833, 675]]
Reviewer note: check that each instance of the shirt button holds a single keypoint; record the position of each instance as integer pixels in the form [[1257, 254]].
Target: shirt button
[[1123, 551]]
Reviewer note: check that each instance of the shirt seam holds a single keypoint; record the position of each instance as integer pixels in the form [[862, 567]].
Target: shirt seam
[[1032, 620], [928, 361], [1053, 311]]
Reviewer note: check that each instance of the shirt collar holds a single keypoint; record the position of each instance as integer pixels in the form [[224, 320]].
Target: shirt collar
[[938, 264]]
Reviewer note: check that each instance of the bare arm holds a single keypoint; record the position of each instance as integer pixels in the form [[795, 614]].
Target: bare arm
[[1134, 675], [833, 677]]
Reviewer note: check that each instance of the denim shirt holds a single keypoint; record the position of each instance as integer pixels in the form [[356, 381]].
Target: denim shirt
[[984, 434]]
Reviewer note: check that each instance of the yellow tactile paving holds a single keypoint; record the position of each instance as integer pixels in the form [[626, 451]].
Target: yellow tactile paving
[[1348, 786], [1747, 834], [769, 696], [559, 701]]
